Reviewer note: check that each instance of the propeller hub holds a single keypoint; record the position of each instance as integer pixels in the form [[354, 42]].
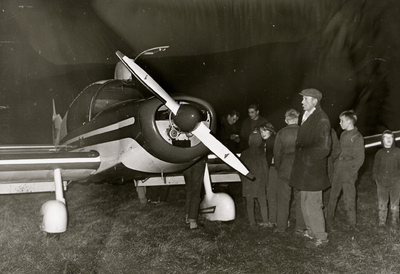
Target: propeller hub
[[187, 118]]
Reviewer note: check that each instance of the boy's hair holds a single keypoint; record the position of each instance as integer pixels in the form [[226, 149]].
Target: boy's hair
[[350, 115], [388, 132], [266, 126], [254, 106], [234, 112], [292, 114]]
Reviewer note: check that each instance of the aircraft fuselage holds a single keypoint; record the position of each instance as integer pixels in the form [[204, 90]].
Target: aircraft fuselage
[[133, 133]]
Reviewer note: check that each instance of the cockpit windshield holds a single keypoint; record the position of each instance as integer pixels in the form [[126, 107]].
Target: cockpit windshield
[[111, 94]]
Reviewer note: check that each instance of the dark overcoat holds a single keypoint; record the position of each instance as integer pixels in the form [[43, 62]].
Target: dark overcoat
[[313, 145], [255, 160]]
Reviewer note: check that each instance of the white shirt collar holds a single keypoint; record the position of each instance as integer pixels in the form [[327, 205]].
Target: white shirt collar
[[307, 114]]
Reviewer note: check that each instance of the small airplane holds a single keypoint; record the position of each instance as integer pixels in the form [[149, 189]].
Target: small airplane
[[114, 130]]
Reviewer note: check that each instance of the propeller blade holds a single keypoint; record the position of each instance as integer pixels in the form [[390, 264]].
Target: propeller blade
[[149, 82], [203, 133]]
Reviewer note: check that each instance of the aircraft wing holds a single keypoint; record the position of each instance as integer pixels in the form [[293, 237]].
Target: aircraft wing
[[31, 168]]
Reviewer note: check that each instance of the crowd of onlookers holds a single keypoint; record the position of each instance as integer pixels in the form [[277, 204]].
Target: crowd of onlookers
[[306, 160]]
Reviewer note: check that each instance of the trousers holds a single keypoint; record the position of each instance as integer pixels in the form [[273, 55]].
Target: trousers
[[311, 206]]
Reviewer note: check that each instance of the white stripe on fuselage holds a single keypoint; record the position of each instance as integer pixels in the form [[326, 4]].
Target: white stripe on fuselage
[[123, 123], [49, 161]]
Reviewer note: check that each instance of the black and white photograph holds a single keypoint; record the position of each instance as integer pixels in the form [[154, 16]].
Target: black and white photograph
[[199, 136]]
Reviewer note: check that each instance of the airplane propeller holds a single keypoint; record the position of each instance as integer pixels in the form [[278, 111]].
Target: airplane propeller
[[186, 117]]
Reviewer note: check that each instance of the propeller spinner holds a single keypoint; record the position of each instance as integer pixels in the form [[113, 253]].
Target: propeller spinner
[[186, 117]]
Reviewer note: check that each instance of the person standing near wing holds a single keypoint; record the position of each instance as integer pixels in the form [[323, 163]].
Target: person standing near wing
[[284, 151], [249, 124], [267, 132], [229, 131], [194, 182], [309, 171]]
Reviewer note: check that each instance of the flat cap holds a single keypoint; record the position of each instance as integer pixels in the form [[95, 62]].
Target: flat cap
[[312, 92]]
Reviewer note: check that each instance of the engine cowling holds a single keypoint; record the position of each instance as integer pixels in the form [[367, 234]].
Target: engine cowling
[[169, 137]]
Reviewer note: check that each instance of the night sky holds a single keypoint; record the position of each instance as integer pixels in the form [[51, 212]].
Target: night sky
[[231, 53]]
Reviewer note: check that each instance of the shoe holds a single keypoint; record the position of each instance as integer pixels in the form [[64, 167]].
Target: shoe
[[195, 225], [153, 202], [317, 243], [299, 232], [278, 231], [268, 224], [308, 234]]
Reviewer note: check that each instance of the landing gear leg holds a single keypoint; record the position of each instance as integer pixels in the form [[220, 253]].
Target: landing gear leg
[[141, 191]]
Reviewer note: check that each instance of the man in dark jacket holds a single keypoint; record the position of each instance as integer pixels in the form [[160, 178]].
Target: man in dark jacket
[[249, 124], [229, 131], [309, 171]]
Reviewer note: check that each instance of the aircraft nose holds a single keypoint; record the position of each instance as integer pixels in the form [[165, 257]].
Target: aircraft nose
[[187, 118]]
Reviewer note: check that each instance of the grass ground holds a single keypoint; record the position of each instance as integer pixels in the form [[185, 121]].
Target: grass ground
[[109, 231]]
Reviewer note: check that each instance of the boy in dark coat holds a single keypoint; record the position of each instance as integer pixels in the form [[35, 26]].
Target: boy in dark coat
[[386, 173], [254, 159], [284, 149], [346, 168]]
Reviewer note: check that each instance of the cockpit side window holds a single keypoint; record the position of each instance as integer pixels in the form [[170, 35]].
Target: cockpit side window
[[112, 93], [100, 96], [78, 113]]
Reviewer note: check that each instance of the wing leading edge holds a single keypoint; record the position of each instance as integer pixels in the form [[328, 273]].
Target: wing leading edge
[[34, 164]]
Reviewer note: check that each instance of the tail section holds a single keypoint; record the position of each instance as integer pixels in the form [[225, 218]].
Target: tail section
[[56, 125]]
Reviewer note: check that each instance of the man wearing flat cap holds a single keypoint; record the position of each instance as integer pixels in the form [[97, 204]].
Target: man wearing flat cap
[[309, 171]]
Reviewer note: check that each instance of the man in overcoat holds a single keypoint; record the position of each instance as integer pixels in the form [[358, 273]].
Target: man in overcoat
[[309, 171]]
